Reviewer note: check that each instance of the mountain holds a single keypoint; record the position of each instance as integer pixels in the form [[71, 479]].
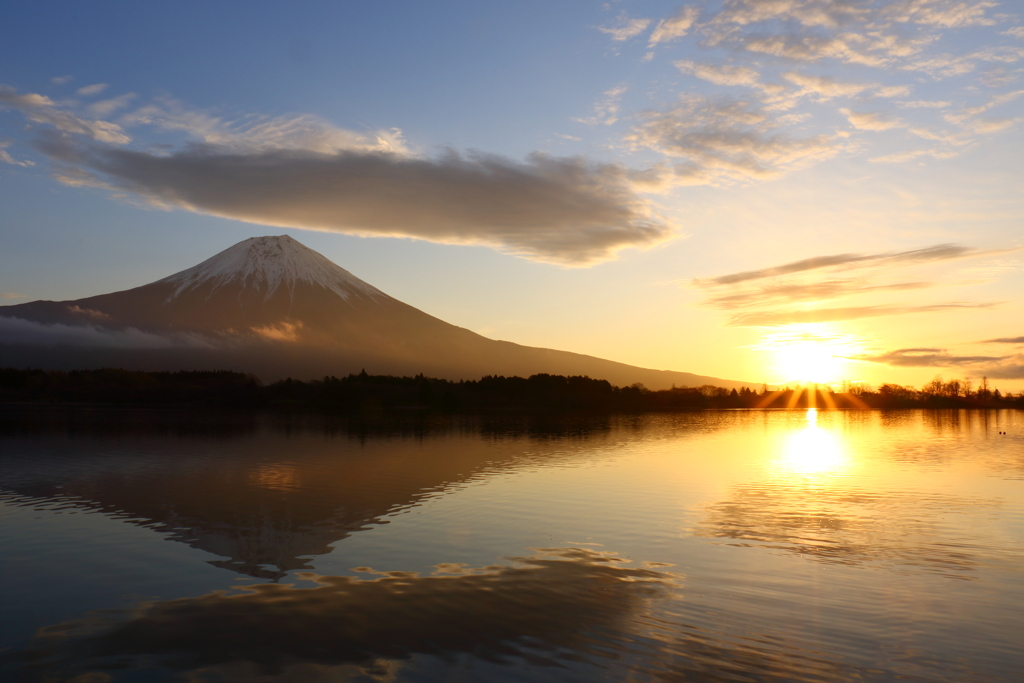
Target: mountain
[[274, 307]]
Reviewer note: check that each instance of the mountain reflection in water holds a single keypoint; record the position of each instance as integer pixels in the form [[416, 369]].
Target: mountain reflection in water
[[263, 496], [733, 546]]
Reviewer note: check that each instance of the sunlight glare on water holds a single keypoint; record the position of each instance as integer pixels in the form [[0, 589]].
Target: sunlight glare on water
[[813, 450], [717, 546]]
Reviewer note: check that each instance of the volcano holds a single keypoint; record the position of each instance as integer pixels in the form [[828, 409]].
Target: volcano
[[273, 307]]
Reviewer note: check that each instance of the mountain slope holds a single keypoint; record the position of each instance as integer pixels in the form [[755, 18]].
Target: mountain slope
[[272, 306]]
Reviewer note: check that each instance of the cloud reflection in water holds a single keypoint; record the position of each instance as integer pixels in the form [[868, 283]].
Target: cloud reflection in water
[[561, 605]]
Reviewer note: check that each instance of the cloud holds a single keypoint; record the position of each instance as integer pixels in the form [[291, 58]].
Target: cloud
[[284, 331], [1005, 340], [990, 125], [969, 112], [924, 104], [107, 107], [89, 313], [61, 80], [823, 87], [941, 13], [808, 13], [796, 299], [19, 332], [725, 141], [938, 252], [41, 109], [948, 65], [893, 91], [674, 27], [564, 211], [1016, 32], [606, 111], [11, 295], [8, 159], [720, 75], [882, 34], [528, 610], [790, 292], [926, 357], [812, 49], [871, 121], [1014, 370], [902, 157], [303, 172], [94, 89], [626, 29], [822, 315], [261, 133]]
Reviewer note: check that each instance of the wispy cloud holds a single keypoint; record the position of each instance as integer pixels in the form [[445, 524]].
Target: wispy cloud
[[674, 27], [94, 89], [1005, 340], [41, 109], [824, 315], [606, 110], [6, 157], [718, 141], [11, 295], [260, 133], [924, 104], [19, 332], [823, 87], [926, 357], [938, 252], [797, 292], [722, 74], [625, 28], [993, 367], [871, 120], [109, 106], [804, 292]]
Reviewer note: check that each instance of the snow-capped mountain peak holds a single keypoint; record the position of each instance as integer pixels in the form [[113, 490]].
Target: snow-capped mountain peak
[[267, 264]]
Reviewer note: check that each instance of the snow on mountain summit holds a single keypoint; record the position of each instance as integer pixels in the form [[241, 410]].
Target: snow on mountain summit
[[268, 263]]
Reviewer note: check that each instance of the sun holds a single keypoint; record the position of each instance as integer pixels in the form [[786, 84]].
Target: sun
[[809, 362], [809, 354]]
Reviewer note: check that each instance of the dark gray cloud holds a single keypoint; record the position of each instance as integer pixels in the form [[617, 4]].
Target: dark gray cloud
[[993, 367], [563, 210], [814, 291], [1005, 340], [938, 252], [1013, 370], [531, 611], [927, 357], [821, 315]]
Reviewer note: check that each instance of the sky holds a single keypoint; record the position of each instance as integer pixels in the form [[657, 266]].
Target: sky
[[761, 190]]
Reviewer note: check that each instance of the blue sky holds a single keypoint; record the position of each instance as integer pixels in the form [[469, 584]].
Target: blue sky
[[576, 175]]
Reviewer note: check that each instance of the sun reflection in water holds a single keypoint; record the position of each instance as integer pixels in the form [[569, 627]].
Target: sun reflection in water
[[812, 450]]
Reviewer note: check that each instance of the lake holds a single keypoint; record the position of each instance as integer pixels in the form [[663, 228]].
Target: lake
[[708, 546]]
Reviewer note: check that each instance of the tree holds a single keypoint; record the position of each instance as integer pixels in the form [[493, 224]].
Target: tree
[[983, 389]]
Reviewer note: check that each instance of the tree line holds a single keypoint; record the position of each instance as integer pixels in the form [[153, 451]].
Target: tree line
[[364, 393]]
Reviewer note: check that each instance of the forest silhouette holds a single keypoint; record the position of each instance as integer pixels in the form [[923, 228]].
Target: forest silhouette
[[363, 393]]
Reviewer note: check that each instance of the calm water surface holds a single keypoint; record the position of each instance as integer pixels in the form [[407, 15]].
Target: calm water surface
[[724, 546]]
